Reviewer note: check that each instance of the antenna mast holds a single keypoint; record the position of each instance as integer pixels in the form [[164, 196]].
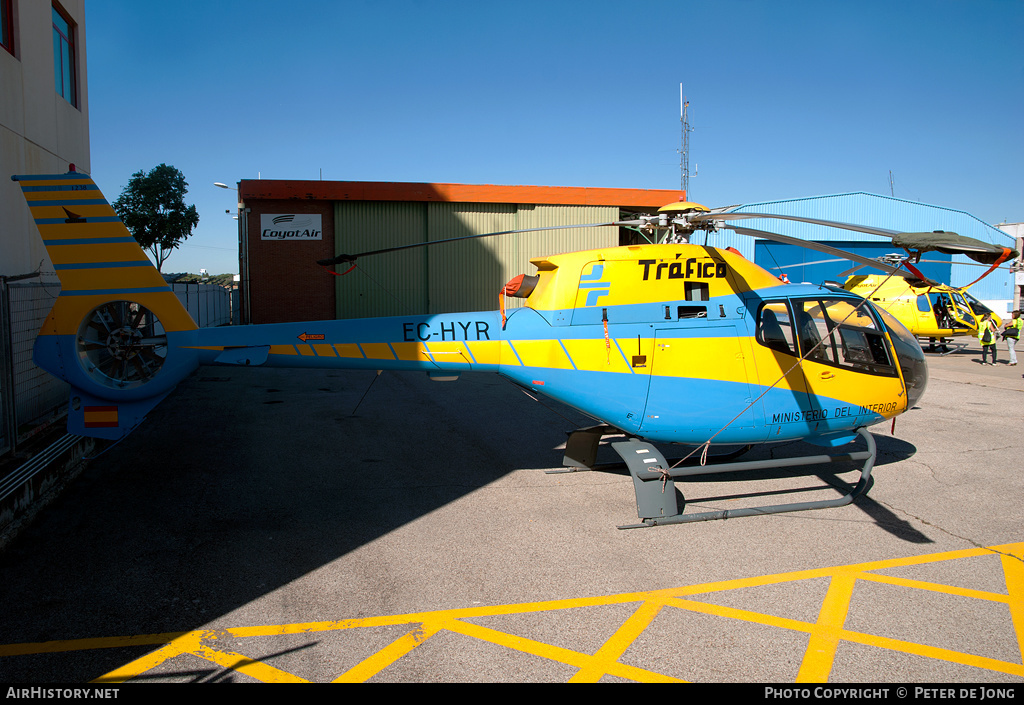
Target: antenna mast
[[684, 153]]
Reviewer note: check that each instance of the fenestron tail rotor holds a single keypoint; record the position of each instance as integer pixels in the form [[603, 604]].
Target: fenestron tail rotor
[[121, 344]]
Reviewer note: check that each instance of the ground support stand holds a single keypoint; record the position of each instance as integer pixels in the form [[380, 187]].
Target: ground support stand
[[655, 489]]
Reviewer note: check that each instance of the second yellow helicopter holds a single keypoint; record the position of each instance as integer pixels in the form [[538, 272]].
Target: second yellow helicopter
[[932, 312]]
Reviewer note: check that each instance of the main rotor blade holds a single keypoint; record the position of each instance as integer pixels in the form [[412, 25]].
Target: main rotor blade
[[808, 264], [965, 264], [815, 246], [353, 258], [946, 242], [884, 232], [953, 244]]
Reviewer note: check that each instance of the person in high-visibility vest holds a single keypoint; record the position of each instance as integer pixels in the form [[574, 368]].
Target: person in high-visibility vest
[[987, 336], [1011, 334]]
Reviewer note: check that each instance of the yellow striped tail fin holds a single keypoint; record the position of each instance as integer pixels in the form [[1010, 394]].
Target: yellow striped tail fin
[[96, 259], [117, 333]]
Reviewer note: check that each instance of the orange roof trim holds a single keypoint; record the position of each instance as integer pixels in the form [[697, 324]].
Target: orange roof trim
[[266, 189]]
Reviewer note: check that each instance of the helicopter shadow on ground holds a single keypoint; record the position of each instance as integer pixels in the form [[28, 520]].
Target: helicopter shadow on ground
[[245, 480], [242, 481], [688, 489]]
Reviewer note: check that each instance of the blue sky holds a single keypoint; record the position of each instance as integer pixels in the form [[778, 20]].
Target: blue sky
[[787, 99]]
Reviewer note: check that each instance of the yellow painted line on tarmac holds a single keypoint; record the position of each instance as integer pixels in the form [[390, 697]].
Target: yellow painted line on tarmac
[[826, 634], [1013, 569], [389, 654], [828, 631], [556, 653], [54, 647], [612, 650]]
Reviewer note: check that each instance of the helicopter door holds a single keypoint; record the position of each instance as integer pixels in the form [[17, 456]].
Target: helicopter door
[[847, 365], [698, 384], [927, 315], [778, 367], [962, 311], [952, 312]]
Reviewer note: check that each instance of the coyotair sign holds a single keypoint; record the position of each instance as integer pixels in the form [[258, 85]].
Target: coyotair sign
[[291, 226]]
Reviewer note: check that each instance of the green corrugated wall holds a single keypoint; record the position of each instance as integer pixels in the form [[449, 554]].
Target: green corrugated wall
[[449, 277]]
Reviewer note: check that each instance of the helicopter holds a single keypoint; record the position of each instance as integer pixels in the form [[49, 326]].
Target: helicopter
[[670, 342], [933, 312]]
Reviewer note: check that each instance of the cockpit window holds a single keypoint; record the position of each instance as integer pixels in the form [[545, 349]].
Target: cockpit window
[[814, 328], [775, 329], [979, 308], [910, 356], [828, 331], [860, 343]]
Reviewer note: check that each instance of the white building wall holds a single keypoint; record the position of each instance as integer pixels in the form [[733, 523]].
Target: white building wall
[[40, 131], [1016, 231]]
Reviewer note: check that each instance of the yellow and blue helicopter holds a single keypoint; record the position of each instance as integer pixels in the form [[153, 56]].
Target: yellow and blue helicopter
[[661, 343]]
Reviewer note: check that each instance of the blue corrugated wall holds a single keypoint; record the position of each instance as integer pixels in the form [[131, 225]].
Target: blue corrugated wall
[[802, 265]]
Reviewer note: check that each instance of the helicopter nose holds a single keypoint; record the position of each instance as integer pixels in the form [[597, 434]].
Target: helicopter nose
[[909, 356], [915, 371]]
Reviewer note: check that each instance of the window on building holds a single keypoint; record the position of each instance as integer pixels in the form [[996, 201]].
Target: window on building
[[7, 25], [64, 56]]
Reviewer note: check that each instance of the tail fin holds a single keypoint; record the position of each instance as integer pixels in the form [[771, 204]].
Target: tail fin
[[116, 329]]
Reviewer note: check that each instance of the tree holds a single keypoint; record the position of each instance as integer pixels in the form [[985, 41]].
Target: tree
[[152, 207]]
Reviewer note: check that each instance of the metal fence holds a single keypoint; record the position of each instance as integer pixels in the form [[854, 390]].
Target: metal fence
[[208, 304], [30, 398]]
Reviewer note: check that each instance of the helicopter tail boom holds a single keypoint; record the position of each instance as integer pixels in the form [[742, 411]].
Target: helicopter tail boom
[[437, 343], [119, 336]]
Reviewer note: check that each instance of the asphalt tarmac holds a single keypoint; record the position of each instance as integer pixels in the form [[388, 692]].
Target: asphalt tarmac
[[266, 525]]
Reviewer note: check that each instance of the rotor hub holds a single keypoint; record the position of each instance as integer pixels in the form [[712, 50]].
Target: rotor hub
[[122, 344]]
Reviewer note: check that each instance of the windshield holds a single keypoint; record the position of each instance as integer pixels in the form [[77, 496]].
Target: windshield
[[911, 357], [979, 308]]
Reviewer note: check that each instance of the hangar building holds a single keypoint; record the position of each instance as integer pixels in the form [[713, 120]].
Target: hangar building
[[286, 226]]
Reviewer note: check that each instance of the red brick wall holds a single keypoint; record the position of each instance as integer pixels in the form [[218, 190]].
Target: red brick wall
[[285, 283]]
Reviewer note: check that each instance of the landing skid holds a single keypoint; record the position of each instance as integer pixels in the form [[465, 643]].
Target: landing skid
[[653, 476], [943, 346], [655, 490]]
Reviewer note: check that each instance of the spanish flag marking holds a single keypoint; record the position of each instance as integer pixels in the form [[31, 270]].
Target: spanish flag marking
[[100, 417]]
